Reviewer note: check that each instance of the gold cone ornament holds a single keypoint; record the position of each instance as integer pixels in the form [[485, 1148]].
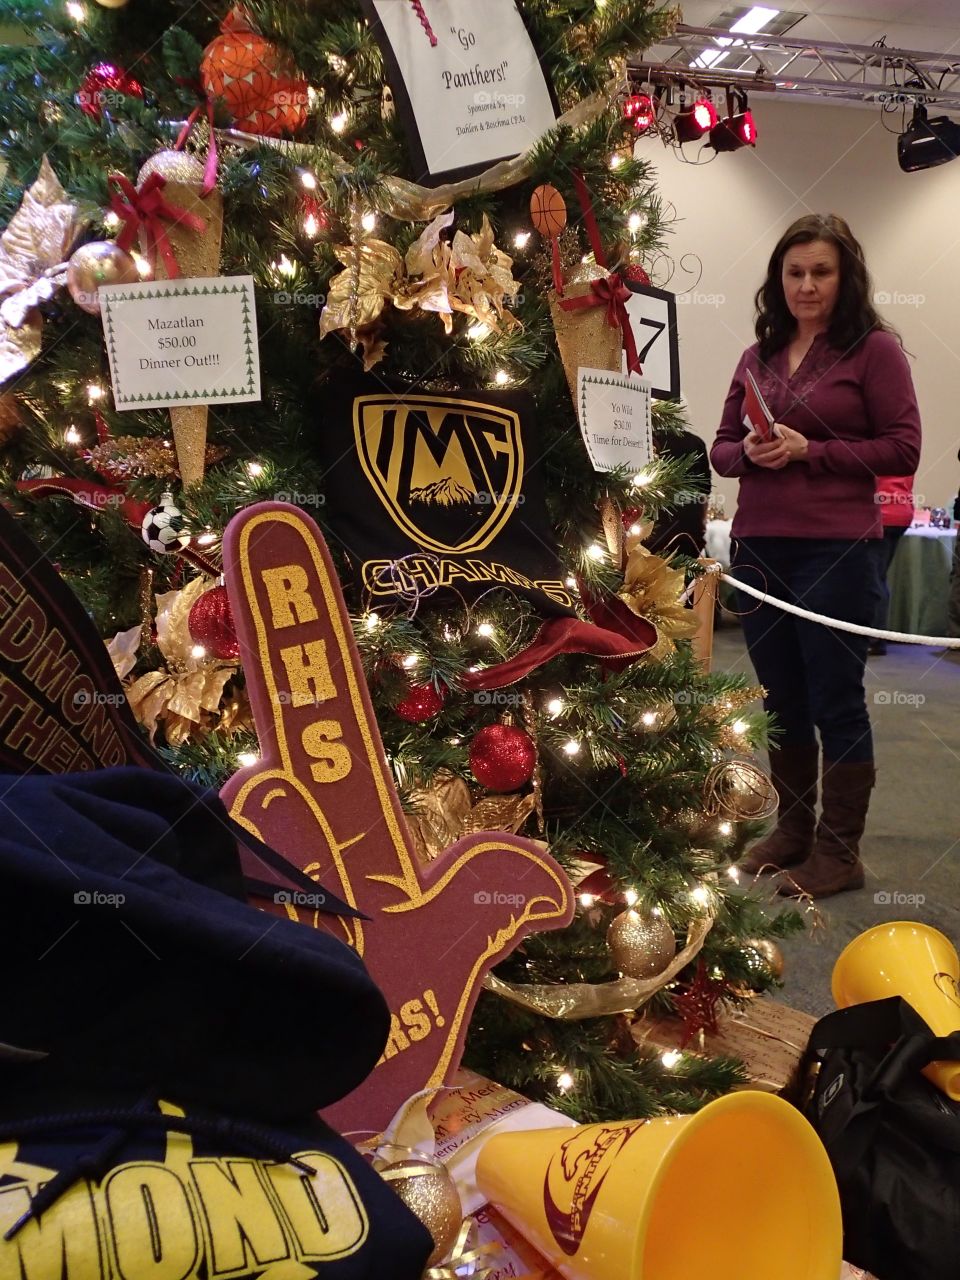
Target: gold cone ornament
[[917, 963], [664, 1199], [197, 254]]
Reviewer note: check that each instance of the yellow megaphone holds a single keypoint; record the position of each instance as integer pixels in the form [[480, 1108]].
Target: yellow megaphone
[[742, 1188], [911, 960]]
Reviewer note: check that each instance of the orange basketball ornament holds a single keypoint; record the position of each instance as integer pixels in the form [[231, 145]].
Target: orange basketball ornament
[[260, 86], [548, 211]]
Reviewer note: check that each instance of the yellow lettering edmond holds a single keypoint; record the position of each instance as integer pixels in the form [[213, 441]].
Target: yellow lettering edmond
[[215, 1216]]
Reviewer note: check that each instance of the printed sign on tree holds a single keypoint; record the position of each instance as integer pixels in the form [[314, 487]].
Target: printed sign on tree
[[469, 85]]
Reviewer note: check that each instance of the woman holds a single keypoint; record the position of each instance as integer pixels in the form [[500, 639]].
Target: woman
[[838, 384]]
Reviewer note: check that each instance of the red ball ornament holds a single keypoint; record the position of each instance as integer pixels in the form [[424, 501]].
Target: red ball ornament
[[210, 623], [502, 758], [262, 89], [101, 86], [636, 274], [423, 702]]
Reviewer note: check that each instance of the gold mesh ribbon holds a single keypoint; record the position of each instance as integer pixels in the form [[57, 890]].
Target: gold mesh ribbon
[[569, 1001]]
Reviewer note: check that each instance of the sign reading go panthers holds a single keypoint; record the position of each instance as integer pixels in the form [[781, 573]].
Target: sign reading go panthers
[[430, 490]]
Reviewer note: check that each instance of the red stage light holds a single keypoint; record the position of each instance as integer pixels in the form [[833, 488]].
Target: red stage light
[[641, 110], [691, 123], [734, 132]]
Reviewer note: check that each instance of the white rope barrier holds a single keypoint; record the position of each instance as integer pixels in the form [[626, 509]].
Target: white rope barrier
[[900, 637]]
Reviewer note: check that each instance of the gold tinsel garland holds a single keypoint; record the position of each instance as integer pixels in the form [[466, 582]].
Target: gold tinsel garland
[[131, 457]]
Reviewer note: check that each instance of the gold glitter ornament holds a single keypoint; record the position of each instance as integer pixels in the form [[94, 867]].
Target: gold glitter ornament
[[738, 790], [641, 946], [99, 262], [426, 1188], [770, 955], [197, 254]]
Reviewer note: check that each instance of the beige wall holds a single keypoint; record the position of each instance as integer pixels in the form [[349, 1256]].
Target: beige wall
[[812, 158]]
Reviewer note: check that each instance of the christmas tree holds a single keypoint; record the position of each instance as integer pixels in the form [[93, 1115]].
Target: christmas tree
[[368, 265]]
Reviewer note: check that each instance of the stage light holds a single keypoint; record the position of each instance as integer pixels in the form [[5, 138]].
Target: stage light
[[691, 123], [734, 131], [640, 109], [926, 143]]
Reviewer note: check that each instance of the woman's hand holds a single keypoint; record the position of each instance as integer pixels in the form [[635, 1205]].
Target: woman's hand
[[784, 446], [795, 442], [773, 453]]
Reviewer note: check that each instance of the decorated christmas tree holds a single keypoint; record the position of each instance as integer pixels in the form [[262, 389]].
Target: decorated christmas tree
[[426, 249]]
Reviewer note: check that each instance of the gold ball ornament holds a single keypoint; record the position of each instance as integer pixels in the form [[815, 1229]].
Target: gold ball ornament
[[112, 4], [426, 1188], [738, 790], [94, 264], [641, 946], [771, 957]]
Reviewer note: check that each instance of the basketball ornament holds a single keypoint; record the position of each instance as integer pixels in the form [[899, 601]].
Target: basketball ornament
[[323, 795], [259, 84], [548, 213]]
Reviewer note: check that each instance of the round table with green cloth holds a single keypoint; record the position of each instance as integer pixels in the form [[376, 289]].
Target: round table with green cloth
[[919, 580]]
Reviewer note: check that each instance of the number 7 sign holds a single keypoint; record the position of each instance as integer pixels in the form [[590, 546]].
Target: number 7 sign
[[653, 318]]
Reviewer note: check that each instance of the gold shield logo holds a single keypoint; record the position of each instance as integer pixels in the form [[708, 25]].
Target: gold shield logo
[[449, 472]]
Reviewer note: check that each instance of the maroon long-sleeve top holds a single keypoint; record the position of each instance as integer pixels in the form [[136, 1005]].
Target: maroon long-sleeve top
[[859, 414]]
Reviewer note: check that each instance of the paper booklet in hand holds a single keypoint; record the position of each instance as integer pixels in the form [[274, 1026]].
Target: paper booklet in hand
[[756, 416]]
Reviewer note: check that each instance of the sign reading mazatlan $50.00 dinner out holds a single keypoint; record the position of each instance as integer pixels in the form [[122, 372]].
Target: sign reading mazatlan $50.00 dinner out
[[181, 342]]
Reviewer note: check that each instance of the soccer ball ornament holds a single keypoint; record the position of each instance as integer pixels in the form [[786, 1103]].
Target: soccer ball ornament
[[164, 527], [260, 86]]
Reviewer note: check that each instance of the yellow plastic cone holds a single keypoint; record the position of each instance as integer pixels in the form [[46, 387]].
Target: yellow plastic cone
[[908, 959], [743, 1188]]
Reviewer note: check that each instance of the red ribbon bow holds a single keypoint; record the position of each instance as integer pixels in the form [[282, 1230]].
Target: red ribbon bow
[[147, 208], [610, 292]]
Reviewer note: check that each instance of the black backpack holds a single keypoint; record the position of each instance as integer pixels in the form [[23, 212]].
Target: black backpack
[[893, 1138]]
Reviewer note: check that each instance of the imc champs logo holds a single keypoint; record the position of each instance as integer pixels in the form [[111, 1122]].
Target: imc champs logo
[[448, 472]]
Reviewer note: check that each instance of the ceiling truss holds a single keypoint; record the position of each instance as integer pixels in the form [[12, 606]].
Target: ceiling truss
[[802, 68]]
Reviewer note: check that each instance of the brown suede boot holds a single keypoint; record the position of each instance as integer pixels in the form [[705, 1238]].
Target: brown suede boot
[[834, 865], [794, 773]]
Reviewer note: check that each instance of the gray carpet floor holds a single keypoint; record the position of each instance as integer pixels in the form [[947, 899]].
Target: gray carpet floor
[[912, 845]]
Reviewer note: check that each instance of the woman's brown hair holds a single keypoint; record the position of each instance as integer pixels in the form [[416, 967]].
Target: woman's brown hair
[[854, 315]]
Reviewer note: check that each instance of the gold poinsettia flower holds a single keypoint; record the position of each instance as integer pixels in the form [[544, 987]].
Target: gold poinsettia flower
[[652, 589]]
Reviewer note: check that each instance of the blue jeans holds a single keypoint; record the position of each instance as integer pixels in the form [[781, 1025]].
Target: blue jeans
[[813, 674]]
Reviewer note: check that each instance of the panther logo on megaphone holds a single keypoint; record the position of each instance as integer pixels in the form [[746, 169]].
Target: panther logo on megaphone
[[575, 1177]]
